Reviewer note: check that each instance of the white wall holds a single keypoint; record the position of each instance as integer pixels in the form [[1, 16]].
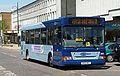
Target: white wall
[[95, 7], [41, 10]]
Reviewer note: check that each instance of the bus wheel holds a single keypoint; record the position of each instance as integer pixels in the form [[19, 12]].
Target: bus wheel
[[110, 58], [50, 59], [27, 55]]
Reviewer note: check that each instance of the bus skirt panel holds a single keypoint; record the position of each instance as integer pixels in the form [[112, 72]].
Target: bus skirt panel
[[80, 62]]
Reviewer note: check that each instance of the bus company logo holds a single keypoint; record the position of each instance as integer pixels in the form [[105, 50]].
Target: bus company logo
[[84, 54], [37, 49]]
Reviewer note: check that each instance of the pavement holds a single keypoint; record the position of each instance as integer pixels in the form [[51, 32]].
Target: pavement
[[10, 46]]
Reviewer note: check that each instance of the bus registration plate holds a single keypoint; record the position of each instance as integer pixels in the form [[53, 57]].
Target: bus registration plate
[[85, 63]]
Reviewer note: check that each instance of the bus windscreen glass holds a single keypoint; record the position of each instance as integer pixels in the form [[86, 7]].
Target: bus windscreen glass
[[83, 36]]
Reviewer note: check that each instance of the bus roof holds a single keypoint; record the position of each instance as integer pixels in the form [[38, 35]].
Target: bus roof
[[62, 21], [33, 26]]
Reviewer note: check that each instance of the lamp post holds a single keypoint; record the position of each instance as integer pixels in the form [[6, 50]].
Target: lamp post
[[1, 30], [66, 7], [18, 22]]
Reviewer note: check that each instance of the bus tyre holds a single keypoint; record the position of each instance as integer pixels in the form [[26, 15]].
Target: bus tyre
[[110, 58], [50, 59]]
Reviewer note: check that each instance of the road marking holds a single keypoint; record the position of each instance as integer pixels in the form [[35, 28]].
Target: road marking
[[72, 71], [4, 53], [13, 56], [2, 68], [9, 54], [9, 73], [83, 75]]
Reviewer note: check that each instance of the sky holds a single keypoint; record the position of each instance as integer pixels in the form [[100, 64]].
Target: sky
[[10, 5]]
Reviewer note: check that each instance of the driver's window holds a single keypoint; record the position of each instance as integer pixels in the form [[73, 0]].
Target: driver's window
[[57, 36]]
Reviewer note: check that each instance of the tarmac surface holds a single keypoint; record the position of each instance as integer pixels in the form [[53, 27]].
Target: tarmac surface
[[10, 46]]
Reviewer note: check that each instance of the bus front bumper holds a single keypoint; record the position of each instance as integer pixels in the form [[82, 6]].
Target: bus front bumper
[[83, 62]]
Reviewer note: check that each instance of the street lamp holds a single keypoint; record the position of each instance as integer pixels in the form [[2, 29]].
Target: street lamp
[[66, 7], [18, 22], [1, 32], [17, 18]]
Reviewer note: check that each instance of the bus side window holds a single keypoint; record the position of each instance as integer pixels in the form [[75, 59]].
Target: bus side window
[[43, 36], [27, 37], [32, 36], [50, 36], [22, 36], [37, 36], [57, 36]]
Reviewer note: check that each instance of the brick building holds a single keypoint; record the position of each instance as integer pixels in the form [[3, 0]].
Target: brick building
[[5, 27]]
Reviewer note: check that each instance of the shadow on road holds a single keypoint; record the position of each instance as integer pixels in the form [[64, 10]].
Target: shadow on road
[[95, 67], [117, 64], [66, 68]]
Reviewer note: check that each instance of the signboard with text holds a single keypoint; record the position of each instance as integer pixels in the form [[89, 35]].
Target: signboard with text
[[84, 21]]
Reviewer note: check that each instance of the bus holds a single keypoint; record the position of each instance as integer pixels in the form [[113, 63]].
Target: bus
[[65, 41]]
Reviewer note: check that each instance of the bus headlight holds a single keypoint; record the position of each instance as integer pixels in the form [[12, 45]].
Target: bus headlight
[[67, 58]]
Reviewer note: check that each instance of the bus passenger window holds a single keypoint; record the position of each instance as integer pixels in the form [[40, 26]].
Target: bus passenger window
[[22, 36], [43, 36], [27, 37], [32, 38], [37, 36], [50, 37], [57, 36]]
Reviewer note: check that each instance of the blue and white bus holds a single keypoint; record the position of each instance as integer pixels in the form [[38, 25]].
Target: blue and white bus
[[65, 41]]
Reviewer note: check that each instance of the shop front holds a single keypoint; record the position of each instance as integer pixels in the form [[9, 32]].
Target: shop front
[[112, 32], [10, 37]]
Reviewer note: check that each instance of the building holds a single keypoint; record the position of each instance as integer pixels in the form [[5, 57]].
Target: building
[[42, 10], [109, 9], [5, 26]]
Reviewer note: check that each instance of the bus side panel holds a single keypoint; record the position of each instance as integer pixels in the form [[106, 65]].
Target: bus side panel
[[58, 55], [23, 50], [39, 52]]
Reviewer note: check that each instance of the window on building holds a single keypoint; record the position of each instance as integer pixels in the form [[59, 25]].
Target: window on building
[[40, 18], [55, 14]]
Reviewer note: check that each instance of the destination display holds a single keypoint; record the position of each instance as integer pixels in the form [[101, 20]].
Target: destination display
[[84, 21]]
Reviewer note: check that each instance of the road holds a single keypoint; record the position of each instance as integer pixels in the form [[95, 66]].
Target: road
[[12, 65]]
